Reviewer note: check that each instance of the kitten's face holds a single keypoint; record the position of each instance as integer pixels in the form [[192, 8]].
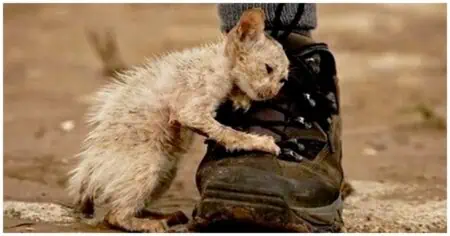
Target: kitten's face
[[259, 63]]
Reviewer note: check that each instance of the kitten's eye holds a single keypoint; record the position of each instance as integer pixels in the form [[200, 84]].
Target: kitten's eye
[[283, 80], [269, 69]]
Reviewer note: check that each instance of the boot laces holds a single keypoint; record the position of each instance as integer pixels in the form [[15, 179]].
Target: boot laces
[[305, 104]]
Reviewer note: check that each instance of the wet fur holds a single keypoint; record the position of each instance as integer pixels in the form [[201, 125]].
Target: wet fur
[[143, 122]]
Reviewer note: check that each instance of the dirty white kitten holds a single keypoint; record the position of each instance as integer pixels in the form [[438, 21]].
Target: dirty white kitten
[[143, 123]]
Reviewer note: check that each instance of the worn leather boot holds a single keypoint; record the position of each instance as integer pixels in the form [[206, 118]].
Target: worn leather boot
[[297, 191]]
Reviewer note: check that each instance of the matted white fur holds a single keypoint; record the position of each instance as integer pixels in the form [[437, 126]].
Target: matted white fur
[[143, 122]]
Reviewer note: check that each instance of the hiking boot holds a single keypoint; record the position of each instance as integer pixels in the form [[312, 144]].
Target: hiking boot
[[297, 191]]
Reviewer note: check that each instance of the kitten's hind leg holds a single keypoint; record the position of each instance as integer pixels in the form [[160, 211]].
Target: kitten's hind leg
[[150, 179], [173, 218], [132, 223], [144, 220]]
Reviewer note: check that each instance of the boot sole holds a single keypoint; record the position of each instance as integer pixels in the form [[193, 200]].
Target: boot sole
[[225, 209]]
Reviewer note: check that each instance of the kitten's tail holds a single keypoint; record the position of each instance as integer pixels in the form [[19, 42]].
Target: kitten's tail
[[105, 45]]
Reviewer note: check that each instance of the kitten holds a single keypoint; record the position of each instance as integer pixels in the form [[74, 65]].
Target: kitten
[[144, 122]]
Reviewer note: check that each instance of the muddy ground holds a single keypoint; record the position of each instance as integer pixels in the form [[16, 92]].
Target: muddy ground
[[392, 65]]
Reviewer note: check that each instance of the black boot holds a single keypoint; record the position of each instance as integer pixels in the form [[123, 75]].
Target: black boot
[[300, 189]]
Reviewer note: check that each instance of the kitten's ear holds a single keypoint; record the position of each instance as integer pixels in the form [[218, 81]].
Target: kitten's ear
[[251, 25]]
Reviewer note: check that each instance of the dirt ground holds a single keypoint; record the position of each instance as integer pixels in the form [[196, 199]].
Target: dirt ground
[[391, 62]]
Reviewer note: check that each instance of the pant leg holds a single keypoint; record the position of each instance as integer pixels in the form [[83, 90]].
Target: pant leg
[[229, 14]]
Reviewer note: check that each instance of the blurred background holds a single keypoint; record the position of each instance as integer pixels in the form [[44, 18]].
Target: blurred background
[[391, 62]]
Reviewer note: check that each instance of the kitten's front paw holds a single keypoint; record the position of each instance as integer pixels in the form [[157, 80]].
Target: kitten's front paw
[[241, 102], [267, 144]]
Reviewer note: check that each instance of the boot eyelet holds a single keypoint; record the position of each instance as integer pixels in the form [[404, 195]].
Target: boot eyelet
[[288, 152], [301, 147], [289, 155], [311, 101], [329, 120], [314, 62], [300, 120], [295, 142]]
